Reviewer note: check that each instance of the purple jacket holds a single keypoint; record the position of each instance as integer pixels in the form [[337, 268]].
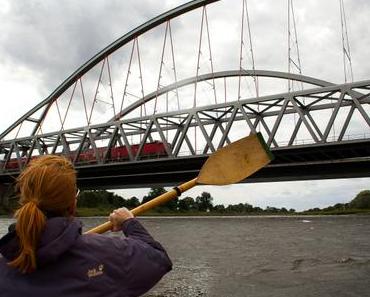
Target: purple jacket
[[72, 264]]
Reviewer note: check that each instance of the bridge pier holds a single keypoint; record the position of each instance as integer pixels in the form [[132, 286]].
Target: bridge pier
[[6, 194], [4, 201]]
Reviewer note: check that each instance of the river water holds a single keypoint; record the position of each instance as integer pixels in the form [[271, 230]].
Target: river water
[[261, 256]]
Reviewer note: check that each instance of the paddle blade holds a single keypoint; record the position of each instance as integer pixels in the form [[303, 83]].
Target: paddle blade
[[235, 162]]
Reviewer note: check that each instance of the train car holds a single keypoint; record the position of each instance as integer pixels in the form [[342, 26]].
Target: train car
[[119, 153], [150, 150], [154, 149], [88, 156], [12, 164]]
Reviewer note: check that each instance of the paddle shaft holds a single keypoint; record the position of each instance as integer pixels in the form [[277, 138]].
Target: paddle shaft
[[149, 205]]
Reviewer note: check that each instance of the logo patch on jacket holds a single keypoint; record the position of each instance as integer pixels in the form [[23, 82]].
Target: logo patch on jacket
[[96, 271]]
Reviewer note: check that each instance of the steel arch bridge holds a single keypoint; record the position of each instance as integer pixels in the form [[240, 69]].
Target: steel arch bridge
[[320, 130]]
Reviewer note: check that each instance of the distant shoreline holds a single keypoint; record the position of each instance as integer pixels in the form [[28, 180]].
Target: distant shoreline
[[102, 212], [235, 216], [94, 212], [296, 216]]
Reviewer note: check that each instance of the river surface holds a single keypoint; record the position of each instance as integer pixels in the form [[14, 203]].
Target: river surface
[[261, 256]]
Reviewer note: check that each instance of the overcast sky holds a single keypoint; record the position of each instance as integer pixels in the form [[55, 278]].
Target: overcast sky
[[43, 42]]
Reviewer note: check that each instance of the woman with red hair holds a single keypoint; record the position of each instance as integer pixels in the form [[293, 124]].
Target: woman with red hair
[[45, 254]]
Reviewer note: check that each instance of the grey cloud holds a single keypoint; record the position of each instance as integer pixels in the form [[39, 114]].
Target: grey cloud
[[55, 38]]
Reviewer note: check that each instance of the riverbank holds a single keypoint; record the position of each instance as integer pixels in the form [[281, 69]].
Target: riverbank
[[104, 211], [92, 212]]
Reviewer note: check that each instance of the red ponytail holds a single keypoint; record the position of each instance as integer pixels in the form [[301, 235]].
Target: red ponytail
[[48, 184], [29, 227]]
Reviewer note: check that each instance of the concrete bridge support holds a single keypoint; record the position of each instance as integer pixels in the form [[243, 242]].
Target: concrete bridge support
[[6, 194], [4, 201]]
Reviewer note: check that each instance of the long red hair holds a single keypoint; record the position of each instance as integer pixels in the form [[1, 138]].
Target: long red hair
[[47, 185]]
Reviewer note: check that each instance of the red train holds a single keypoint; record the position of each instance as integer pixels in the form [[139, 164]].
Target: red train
[[150, 150]]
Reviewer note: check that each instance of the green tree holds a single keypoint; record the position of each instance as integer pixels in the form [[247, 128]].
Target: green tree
[[271, 209], [219, 208], [362, 200], [99, 198], [117, 201], [239, 208], [95, 198], [248, 207], [257, 209], [155, 192], [186, 204], [132, 202], [204, 201]]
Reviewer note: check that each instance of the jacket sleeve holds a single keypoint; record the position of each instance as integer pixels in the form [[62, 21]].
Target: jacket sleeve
[[149, 261], [133, 229]]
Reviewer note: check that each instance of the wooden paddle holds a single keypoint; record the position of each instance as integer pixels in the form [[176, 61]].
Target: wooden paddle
[[228, 165]]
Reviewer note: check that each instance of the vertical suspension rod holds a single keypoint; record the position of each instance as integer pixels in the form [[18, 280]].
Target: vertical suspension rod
[[199, 53], [141, 74], [210, 54], [345, 44], [84, 101], [69, 103], [160, 67], [96, 92], [174, 64], [128, 74], [111, 87]]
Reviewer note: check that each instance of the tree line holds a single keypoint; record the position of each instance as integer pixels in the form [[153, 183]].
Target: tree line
[[205, 203], [360, 202], [202, 203]]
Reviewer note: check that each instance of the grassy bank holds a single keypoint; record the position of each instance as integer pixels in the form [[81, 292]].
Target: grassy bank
[[101, 211], [93, 212], [337, 212], [105, 211]]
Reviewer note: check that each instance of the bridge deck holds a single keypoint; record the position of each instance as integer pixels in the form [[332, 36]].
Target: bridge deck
[[319, 161]]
